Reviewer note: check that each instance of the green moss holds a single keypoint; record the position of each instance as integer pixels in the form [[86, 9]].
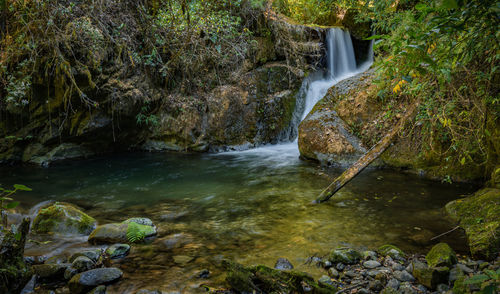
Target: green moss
[[344, 255], [441, 255], [479, 216], [459, 287], [384, 250], [63, 218]]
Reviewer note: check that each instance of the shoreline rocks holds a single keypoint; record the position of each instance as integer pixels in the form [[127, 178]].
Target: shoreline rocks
[[132, 230]]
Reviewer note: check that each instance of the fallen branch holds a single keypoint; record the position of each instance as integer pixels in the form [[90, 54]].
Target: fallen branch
[[365, 160], [445, 233], [353, 287]]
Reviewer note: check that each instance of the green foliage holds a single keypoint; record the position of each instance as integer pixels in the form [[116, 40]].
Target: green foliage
[[319, 12], [6, 201], [489, 281], [135, 233], [443, 55]]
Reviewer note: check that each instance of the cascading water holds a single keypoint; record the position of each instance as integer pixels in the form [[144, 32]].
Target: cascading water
[[341, 64]]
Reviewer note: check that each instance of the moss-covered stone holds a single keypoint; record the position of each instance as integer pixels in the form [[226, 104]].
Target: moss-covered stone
[[63, 218], [441, 255], [262, 279], [430, 277], [344, 255], [479, 216], [459, 287], [130, 231], [390, 250]]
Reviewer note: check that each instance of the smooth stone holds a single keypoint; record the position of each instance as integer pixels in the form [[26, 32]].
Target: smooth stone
[[370, 255], [98, 290], [404, 276], [371, 264], [203, 274], [393, 283], [283, 264], [88, 280], [182, 259], [116, 251], [70, 272], [325, 280], [82, 263], [92, 254], [332, 272]]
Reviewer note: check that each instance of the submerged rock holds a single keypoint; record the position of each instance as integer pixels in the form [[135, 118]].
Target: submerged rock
[[130, 231], [117, 251], [479, 216], [441, 255], [83, 282], [283, 264], [63, 218], [94, 255]]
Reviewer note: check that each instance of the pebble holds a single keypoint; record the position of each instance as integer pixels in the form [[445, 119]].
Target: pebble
[[351, 274], [406, 288], [404, 276], [283, 264], [376, 286], [340, 267], [398, 267], [371, 264]]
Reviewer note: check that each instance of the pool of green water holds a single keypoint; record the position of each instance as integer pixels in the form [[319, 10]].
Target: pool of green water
[[253, 206]]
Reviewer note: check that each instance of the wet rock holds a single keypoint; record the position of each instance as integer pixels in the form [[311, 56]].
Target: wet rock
[[340, 267], [94, 255], [465, 268], [326, 281], [430, 277], [176, 240], [332, 272], [389, 290], [98, 290], [128, 231], [484, 235], [371, 264], [116, 251], [283, 264], [370, 255], [455, 274], [345, 256], [83, 282], [63, 218], [351, 274], [393, 283], [61, 152], [404, 276], [390, 250], [70, 272], [203, 274], [50, 272], [82, 263], [441, 255]]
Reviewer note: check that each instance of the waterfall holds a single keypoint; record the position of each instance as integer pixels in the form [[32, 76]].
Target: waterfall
[[341, 63]]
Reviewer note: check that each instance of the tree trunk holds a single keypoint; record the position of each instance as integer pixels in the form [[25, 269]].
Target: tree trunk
[[365, 160]]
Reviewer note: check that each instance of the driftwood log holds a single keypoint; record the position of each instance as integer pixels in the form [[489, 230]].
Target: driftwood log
[[366, 159]]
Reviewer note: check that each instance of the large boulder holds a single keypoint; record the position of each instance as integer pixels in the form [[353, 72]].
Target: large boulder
[[130, 231], [345, 256], [479, 216], [441, 255], [63, 218], [324, 137]]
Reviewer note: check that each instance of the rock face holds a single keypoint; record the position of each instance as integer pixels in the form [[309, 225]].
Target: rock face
[[63, 218], [15, 272], [130, 231], [479, 216], [323, 136], [83, 282]]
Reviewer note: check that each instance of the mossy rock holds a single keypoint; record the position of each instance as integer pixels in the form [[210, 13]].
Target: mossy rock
[[479, 216], [390, 250], [262, 279], [133, 230], [441, 255], [345, 255], [63, 218], [430, 277]]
